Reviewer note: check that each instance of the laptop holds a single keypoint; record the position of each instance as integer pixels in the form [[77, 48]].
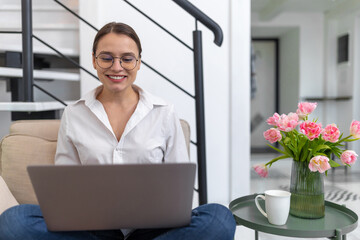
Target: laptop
[[102, 197]]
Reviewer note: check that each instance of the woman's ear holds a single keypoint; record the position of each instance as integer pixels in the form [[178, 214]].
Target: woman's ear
[[93, 60], [139, 63]]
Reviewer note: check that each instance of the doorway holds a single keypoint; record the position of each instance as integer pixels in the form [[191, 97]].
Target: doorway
[[264, 89]]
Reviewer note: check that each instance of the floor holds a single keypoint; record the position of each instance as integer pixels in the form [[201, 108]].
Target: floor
[[341, 186]]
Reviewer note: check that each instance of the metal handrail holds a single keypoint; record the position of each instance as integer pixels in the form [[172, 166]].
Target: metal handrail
[[203, 18]]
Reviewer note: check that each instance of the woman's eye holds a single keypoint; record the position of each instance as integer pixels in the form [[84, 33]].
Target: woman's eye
[[127, 59], [105, 57]]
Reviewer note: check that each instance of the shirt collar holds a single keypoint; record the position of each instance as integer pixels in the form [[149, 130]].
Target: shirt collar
[[147, 98]]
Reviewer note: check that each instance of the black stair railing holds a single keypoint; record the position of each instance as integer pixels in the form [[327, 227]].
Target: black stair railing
[[198, 71], [199, 88], [203, 18], [27, 46]]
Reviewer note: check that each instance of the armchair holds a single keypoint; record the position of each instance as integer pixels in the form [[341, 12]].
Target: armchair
[[31, 142]]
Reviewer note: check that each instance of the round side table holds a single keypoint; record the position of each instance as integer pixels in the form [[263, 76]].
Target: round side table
[[338, 221]]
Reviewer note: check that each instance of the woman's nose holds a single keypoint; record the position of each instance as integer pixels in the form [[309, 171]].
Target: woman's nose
[[117, 65]]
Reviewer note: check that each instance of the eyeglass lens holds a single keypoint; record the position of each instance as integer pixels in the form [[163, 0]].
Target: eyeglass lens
[[107, 60]]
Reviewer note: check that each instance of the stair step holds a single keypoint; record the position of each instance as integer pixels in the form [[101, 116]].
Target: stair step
[[40, 74], [31, 106], [40, 19], [38, 7], [39, 50], [45, 27]]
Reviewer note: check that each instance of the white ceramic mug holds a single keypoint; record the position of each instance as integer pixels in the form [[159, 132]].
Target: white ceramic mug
[[277, 205]]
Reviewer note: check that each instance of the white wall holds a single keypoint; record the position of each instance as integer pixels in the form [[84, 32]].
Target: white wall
[[289, 70], [340, 77], [239, 69], [356, 89], [343, 79], [310, 49], [226, 77], [263, 102]]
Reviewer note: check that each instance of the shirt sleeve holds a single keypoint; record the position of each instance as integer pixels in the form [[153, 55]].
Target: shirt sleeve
[[66, 153], [176, 150]]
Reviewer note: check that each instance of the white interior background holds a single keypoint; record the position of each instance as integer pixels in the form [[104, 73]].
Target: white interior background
[[308, 68]]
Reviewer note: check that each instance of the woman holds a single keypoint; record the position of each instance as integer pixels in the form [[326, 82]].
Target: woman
[[118, 122]]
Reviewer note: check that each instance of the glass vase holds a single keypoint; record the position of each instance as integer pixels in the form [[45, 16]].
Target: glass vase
[[307, 192]]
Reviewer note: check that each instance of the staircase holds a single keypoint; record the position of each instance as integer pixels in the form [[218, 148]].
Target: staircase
[[42, 64], [55, 26]]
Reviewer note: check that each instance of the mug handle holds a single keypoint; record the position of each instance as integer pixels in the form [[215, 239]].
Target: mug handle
[[258, 205]]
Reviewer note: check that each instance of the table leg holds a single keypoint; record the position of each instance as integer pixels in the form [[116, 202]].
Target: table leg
[[338, 234], [256, 235]]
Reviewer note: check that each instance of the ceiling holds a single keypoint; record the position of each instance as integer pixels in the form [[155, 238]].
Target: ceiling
[[268, 9]]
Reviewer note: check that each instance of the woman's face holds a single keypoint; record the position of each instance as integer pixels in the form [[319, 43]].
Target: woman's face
[[117, 79]]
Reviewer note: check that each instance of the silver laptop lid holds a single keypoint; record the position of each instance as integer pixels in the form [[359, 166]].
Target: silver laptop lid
[[99, 197]]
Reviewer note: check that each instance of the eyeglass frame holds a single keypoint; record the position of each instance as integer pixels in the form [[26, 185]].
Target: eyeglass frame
[[113, 60]]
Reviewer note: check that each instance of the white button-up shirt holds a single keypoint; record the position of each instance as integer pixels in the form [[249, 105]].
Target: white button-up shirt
[[153, 133]]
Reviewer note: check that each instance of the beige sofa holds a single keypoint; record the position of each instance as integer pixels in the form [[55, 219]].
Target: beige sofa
[[31, 142]]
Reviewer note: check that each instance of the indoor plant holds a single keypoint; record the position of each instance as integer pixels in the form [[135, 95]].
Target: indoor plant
[[312, 149]]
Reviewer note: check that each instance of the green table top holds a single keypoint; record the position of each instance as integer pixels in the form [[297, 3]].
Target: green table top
[[337, 217]]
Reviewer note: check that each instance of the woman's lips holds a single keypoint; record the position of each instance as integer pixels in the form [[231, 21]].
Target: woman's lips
[[116, 78]]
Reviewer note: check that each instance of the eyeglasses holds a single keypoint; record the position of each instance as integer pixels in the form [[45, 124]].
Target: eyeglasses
[[106, 61]]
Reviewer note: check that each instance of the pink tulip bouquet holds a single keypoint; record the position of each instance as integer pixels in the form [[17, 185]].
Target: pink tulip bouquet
[[311, 143]]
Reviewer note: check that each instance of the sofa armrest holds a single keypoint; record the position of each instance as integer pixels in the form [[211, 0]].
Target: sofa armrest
[[30, 142], [7, 200]]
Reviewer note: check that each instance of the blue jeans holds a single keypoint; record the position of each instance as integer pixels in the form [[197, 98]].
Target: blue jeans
[[210, 221]]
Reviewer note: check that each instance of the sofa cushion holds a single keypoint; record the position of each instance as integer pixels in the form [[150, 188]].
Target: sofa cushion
[[29, 143], [7, 200], [46, 129]]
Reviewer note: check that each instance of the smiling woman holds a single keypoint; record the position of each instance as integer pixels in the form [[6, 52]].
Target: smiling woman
[[111, 47], [118, 122]]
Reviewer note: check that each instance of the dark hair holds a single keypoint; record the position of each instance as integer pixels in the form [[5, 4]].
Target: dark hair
[[119, 28]]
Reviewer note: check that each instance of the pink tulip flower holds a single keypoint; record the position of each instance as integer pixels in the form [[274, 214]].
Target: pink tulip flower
[[305, 108], [331, 133], [311, 129], [319, 163], [288, 122], [355, 129], [261, 169], [273, 120], [348, 157], [272, 135]]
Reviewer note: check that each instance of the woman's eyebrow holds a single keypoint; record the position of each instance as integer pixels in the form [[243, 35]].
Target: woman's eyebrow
[[128, 54], [105, 52], [123, 54]]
